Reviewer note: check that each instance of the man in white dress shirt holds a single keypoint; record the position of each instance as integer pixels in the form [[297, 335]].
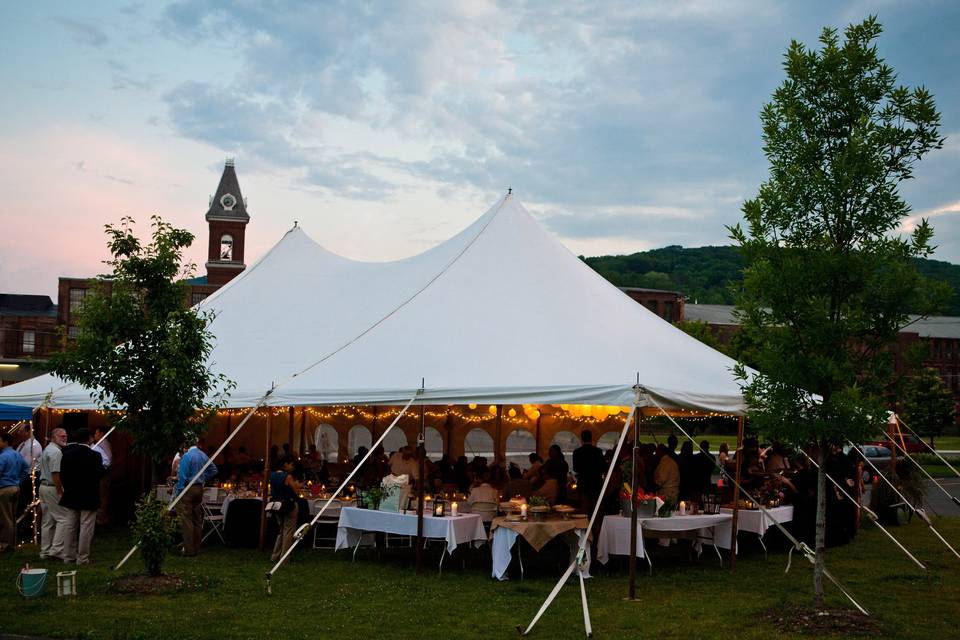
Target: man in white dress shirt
[[55, 518], [30, 449]]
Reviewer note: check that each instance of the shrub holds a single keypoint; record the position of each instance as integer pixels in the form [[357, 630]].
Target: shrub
[[155, 531]]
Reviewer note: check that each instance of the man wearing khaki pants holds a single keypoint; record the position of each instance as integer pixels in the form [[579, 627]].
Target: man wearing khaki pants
[[13, 469], [55, 517], [190, 507]]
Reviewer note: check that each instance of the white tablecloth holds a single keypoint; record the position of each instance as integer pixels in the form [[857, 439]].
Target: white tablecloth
[[504, 539], [464, 528], [615, 532], [752, 520]]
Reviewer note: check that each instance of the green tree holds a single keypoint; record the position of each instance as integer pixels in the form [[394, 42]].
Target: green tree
[[827, 281], [927, 404], [701, 331], [140, 349]]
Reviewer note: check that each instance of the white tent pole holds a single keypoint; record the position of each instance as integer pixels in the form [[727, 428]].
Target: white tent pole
[[920, 466], [871, 516], [932, 450], [174, 502], [800, 546], [581, 551], [916, 510], [302, 531]]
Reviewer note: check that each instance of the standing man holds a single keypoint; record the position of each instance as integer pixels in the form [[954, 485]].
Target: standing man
[[80, 471], [190, 507], [56, 518], [13, 469], [30, 449], [588, 465], [103, 447]]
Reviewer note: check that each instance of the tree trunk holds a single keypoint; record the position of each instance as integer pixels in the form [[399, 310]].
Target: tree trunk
[[821, 529]]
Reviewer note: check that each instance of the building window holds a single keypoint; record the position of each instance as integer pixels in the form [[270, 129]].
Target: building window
[[668, 311], [652, 305], [76, 298], [73, 333], [197, 298], [29, 341], [226, 247]]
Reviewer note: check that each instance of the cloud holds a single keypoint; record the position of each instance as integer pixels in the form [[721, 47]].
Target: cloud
[[600, 114], [83, 32]]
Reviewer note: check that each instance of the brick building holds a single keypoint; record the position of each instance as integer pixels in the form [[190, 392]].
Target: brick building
[[941, 333], [666, 304], [29, 323], [28, 332]]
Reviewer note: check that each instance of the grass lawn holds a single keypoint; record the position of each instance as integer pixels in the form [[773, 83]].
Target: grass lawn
[[323, 595]]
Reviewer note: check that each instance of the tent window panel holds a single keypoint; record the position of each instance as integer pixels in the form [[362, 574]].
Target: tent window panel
[[567, 440], [520, 444], [394, 441], [326, 438], [608, 440], [434, 443], [359, 436], [478, 443]]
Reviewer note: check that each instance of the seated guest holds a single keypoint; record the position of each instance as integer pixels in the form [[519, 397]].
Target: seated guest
[[666, 476], [517, 485], [533, 473], [550, 489], [483, 491]]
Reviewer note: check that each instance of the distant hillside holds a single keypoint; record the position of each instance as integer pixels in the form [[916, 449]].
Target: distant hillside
[[704, 274]]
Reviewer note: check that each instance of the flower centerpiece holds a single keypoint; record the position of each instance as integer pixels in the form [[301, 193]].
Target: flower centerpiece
[[539, 507], [645, 503]]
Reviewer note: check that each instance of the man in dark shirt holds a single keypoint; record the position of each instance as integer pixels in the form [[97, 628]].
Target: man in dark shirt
[[80, 471], [589, 467]]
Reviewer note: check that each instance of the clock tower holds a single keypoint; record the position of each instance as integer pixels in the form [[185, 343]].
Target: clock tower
[[227, 219]]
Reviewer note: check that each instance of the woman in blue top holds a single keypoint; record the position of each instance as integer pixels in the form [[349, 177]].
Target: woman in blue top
[[284, 488]]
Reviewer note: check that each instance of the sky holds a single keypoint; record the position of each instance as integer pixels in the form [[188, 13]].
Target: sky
[[385, 128]]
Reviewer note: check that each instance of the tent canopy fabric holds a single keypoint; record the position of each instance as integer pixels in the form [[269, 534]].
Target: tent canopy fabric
[[501, 313], [12, 412]]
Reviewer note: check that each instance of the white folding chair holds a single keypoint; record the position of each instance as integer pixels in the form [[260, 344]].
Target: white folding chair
[[486, 510], [214, 520], [330, 517]]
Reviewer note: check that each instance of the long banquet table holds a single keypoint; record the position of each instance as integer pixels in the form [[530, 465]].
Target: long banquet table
[[614, 536], [465, 528]]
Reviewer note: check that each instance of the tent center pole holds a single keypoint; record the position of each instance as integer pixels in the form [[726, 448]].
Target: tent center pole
[[635, 455], [421, 481], [736, 496]]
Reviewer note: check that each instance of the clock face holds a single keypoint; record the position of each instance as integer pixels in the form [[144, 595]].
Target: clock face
[[228, 202]]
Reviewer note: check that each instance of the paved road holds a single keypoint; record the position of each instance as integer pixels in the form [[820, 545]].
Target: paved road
[[940, 503]]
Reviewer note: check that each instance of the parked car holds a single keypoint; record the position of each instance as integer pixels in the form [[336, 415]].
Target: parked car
[[910, 443]]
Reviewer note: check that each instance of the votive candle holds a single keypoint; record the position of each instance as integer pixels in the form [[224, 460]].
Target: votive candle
[[454, 509]]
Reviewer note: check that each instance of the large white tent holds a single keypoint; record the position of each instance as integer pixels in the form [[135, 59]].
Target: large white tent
[[501, 313]]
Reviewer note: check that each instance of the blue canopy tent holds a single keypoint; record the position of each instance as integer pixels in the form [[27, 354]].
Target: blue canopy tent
[[13, 412]]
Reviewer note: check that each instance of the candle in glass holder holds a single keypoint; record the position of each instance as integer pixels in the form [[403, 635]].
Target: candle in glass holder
[[438, 510], [454, 510], [683, 508], [523, 510]]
